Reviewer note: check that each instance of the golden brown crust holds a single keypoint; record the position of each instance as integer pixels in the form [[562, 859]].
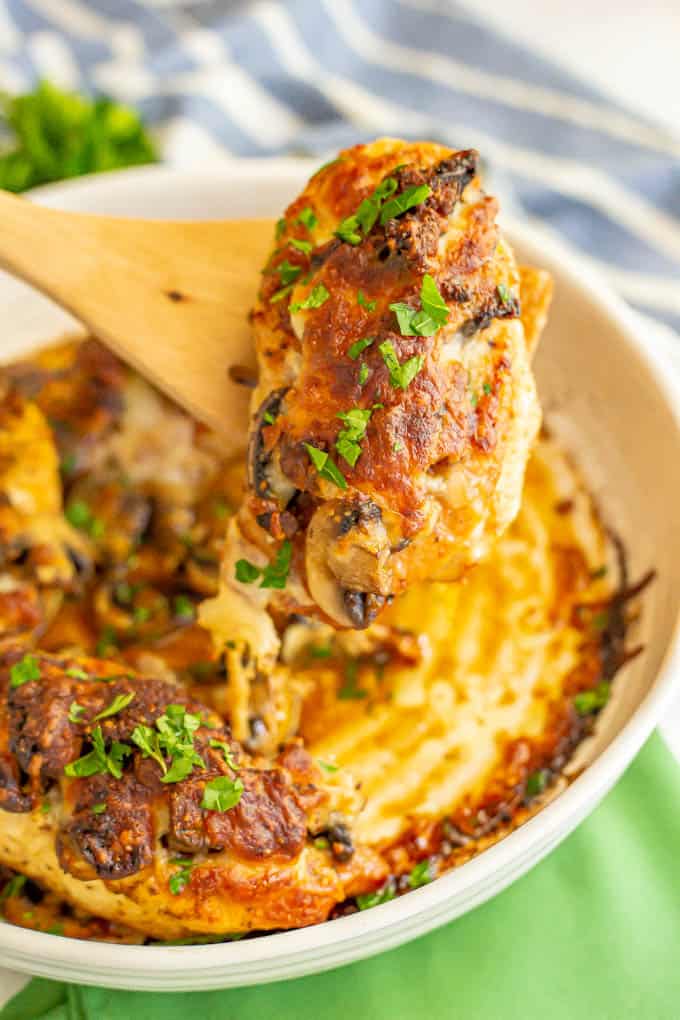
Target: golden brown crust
[[440, 462], [124, 830]]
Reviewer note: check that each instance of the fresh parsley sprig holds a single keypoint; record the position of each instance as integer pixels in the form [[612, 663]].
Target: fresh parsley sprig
[[348, 443], [61, 134], [173, 738], [79, 514], [178, 882], [76, 712], [433, 313], [360, 345], [317, 296], [405, 200], [288, 272], [326, 468], [120, 702], [401, 375], [357, 226], [387, 892], [222, 746], [589, 702], [370, 306], [24, 671], [99, 760], [274, 575], [221, 794]]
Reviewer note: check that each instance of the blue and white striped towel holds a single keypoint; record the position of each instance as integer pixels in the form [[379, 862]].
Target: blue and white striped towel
[[270, 77]]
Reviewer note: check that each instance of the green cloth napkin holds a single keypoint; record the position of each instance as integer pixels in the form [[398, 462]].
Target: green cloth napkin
[[592, 933]]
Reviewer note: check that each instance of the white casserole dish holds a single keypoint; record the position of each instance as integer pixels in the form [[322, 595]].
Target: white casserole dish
[[610, 399]]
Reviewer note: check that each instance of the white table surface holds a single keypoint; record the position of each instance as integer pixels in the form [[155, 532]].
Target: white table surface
[[595, 39]]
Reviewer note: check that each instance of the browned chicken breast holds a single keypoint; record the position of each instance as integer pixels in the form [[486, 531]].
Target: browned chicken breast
[[395, 407], [132, 802]]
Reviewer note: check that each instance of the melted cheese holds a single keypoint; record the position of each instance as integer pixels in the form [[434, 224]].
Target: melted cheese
[[499, 647]]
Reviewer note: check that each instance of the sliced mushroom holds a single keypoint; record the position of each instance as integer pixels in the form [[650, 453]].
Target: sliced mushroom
[[264, 474], [348, 561]]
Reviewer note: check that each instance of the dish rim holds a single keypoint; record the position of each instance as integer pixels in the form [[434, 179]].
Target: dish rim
[[305, 950]]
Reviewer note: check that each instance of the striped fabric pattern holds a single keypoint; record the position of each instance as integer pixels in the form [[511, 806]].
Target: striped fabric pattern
[[218, 78]]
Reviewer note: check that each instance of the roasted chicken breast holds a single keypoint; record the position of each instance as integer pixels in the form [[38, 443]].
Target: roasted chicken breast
[[132, 801], [395, 407]]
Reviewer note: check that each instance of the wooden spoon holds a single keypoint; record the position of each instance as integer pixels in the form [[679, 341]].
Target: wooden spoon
[[171, 298]]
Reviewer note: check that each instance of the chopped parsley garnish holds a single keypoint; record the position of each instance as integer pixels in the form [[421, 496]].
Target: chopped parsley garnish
[[304, 246], [401, 376], [537, 782], [308, 218], [120, 702], [588, 702], [221, 794], [367, 900], [80, 516], [361, 222], [174, 737], [360, 345], [370, 306], [316, 297], [178, 882], [349, 690], [433, 313], [140, 614], [274, 575], [406, 200], [504, 294], [221, 509], [280, 294], [124, 592], [321, 843], [24, 671], [76, 712], [107, 641], [268, 418], [12, 888], [487, 389], [100, 808], [348, 442], [397, 446], [182, 606], [222, 746], [280, 228], [288, 273], [99, 760], [325, 467], [320, 651], [421, 874], [76, 673], [246, 572], [364, 373], [327, 766], [68, 464]]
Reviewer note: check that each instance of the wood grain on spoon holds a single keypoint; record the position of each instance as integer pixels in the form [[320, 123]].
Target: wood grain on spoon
[[170, 297]]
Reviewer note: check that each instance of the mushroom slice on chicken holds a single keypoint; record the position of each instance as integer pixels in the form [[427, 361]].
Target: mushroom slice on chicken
[[395, 408]]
